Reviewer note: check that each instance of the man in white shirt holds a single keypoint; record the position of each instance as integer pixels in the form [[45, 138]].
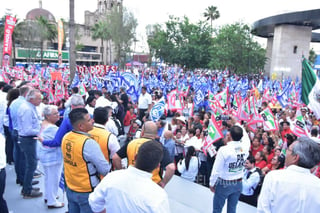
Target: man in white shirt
[[293, 189], [111, 125], [144, 103], [250, 182], [227, 171], [3, 203], [132, 190]]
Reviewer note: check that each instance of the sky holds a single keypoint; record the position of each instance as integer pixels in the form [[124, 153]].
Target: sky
[[151, 12]]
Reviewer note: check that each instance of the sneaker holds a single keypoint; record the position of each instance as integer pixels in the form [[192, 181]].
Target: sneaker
[[57, 205], [36, 175], [33, 194], [45, 200], [35, 182]]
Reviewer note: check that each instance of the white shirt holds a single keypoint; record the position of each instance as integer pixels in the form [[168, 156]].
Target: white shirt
[[230, 160], [195, 142], [3, 159], [144, 101], [102, 102], [129, 190], [112, 127], [192, 172], [113, 143], [3, 106], [248, 185], [293, 190]]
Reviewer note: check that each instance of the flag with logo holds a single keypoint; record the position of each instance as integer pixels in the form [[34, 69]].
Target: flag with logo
[[174, 100], [222, 97], [310, 94], [157, 110], [214, 134], [269, 121]]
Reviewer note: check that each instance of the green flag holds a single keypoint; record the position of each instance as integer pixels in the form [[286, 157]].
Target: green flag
[[310, 94]]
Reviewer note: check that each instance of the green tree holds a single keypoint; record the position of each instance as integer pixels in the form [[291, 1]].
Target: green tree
[[182, 43], [234, 47], [122, 25], [47, 32], [101, 31], [312, 56], [211, 14]]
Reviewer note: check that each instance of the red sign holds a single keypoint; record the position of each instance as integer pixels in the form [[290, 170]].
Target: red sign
[[7, 41]]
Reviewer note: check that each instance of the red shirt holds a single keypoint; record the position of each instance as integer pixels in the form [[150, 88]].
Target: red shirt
[[284, 132], [261, 164], [254, 151], [128, 118], [269, 158]]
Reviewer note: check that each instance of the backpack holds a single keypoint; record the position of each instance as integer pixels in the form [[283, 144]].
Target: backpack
[[259, 186], [119, 126]]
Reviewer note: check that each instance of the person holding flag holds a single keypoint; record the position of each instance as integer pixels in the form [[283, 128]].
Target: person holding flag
[[227, 171]]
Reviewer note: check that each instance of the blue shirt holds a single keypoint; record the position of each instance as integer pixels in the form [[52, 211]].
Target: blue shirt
[[170, 146], [14, 107], [28, 120], [64, 128]]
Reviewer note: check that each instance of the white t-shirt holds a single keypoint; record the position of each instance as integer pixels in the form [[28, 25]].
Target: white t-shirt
[[129, 190], [144, 101]]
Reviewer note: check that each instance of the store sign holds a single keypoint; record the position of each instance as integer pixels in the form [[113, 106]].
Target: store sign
[[47, 54]]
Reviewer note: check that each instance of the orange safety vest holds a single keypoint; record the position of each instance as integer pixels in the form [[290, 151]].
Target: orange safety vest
[[101, 135], [76, 171], [132, 150]]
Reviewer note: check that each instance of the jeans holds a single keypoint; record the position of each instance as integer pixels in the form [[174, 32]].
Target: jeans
[[19, 159], [3, 203], [29, 149], [9, 144], [78, 202], [230, 190]]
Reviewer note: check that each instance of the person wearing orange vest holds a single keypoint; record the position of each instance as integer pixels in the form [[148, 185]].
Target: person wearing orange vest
[[129, 151], [107, 141], [83, 161]]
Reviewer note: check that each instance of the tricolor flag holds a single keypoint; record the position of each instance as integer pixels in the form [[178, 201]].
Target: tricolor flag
[[174, 100], [269, 121], [214, 134], [310, 94]]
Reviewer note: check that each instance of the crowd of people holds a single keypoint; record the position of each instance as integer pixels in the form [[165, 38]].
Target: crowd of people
[[89, 137]]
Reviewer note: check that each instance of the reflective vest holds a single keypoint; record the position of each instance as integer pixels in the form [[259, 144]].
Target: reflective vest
[[101, 135], [132, 150], [76, 171]]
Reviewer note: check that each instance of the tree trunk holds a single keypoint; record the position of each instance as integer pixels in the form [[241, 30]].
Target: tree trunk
[[41, 52], [101, 50], [72, 50]]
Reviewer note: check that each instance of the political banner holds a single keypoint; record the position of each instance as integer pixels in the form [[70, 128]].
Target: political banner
[[60, 41], [157, 110], [7, 40]]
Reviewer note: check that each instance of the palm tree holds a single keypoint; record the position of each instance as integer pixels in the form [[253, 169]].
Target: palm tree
[[211, 14], [72, 50], [47, 32], [101, 31]]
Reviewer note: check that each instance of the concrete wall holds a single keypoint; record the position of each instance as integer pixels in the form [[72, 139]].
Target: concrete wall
[[289, 44], [267, 66]]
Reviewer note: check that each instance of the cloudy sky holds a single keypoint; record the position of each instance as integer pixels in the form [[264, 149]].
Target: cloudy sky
[[150, 11]]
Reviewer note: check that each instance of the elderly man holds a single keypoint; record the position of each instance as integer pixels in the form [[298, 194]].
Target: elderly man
[[28, 129], [129, 151], [19, 161], [83, 161], [293, 189], [117, 192]]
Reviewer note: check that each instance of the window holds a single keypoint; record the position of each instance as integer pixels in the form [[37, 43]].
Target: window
[[295, 49]]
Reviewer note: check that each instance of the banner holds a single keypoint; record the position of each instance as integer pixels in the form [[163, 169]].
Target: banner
[[157, 110], [269, 121], [7, 40], [60, 41]]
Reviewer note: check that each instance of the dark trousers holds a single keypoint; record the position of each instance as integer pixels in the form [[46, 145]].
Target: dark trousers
[[251, 200], [29, 149], [142, 113], [9, 144], [19, 159], [3, 203]]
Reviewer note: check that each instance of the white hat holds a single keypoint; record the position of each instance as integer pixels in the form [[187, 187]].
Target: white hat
[[181, 118], [137, 121]]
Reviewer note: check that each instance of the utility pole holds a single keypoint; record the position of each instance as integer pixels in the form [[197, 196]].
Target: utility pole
[[72, 50]]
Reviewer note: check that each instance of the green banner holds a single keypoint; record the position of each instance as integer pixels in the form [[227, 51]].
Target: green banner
[[47, 54]]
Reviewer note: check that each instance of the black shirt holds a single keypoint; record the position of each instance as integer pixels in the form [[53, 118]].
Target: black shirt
[[125, 100]]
